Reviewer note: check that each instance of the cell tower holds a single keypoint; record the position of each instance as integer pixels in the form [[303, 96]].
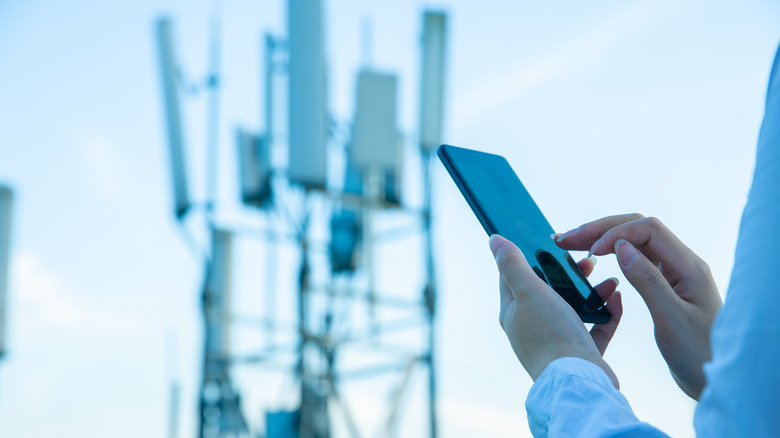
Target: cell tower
[[350, 326]]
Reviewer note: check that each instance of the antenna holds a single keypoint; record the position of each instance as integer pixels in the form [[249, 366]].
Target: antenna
[[434, 49], [375, 135], [6, 199], [375, 139], [217, 293], [255, 168], [308, 118], [168, 75]]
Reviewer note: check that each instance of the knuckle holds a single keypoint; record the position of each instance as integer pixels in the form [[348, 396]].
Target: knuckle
[[704, 268], [588, 227], [653, 223], [636, 216], [609, 235], [651, 276]]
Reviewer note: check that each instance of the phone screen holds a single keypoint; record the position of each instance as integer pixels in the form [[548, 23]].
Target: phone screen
[[503, 206]]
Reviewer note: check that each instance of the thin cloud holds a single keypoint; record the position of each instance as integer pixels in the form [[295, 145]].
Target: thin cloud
[[583, 52], [43, 301]]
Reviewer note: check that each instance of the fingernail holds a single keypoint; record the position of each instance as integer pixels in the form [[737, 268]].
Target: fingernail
[[590, 253], [626, 253], [496, 242], [554, 236], [617, 282], [593, 259], [559, 237]]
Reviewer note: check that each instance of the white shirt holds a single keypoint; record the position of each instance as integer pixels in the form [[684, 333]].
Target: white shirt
[[574, 397]]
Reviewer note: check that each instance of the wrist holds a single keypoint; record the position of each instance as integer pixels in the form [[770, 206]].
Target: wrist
[[538, 368]]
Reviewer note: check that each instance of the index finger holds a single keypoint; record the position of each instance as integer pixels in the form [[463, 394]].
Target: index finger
[[584, 236], [651, 237]]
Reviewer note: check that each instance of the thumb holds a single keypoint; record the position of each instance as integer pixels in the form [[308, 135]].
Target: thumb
[[645, 277], [512, 265]]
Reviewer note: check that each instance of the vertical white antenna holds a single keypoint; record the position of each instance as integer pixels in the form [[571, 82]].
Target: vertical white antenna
[[6, 199], [375, 144], [375, 128], [432, 87], [168, 75], [218, 287], [308, 118]]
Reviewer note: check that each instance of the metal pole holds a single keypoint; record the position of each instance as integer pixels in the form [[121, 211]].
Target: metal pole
[[270, 47], [430, 291], [173, 414], [306, 412], [212, 140], [371, 186], [212, 133], [271, 265], [175, 388]]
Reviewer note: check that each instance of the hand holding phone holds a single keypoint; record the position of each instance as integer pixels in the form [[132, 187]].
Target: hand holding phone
[[503, 206], [541, 327]]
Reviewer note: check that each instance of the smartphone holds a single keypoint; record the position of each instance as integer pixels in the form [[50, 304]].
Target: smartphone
[[503, 206]]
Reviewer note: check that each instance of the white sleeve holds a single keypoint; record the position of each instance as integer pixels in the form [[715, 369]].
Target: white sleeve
[[574, 398], [742, 396]]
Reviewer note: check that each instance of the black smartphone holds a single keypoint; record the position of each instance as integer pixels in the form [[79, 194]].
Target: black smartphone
[[503, 206]]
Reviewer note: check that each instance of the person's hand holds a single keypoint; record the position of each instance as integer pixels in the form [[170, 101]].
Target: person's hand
[[675, 283], [540, 325]]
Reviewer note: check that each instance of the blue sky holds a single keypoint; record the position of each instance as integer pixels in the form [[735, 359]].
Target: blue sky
[[601, 107]]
